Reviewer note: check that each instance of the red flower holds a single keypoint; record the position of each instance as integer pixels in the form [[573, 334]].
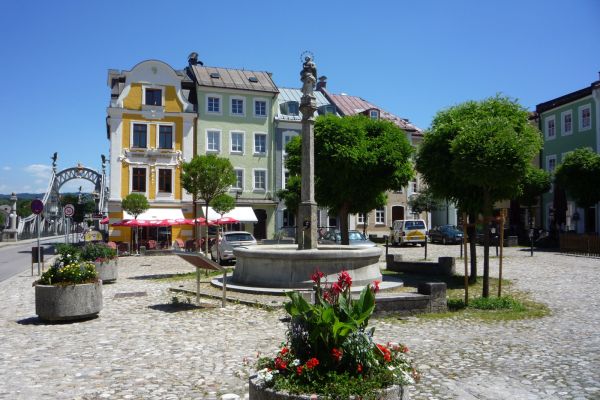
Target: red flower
[[385, 352], [336, 288], [404, 349], [376, 286], [313, 362], [284, 351], [317, 275], [299, 370], [344, 279], [359, 368], [280, 363], [336, 354]]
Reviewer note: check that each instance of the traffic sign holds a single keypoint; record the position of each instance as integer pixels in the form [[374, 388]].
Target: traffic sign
[[69, 210], [37, 206]]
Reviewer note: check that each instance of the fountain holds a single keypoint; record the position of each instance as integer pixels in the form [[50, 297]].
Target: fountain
[[285, 266]]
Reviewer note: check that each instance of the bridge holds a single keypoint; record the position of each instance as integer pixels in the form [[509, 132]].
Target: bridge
[[52, 221]]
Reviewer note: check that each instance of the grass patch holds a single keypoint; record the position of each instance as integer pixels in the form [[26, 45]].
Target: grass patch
[[188, 276], [513, 305]]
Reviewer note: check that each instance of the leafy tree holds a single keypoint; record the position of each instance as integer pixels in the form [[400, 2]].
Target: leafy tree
[[357, 160], [291, 196], [535, 183], [425, 201], [206, 177], [135, 204], [2, 220], [477, 153], [24, 208], [222, 204], [81, 209], [579, 175]]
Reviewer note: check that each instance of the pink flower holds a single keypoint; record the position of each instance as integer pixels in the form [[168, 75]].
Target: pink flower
[[317, 276], [376, 286], [344, 279]]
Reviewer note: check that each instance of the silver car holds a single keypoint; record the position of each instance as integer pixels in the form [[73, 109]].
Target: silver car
[[356, 238], [223, 250]]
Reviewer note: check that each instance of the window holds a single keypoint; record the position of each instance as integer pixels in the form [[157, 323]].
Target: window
[[237, 106], [380, 215], [360, 219], [550, 128], [213, 141], [550, 163], [139, 136], [567, 122], [165, 137], [165, 180], [213, 104], [585, 117], [287, 136], [237, 142], [289, 219], [374, 114], [138, 180], [286, 177], [260, 179], [260, 143], [239, 179], [260, 108], [153, 97]]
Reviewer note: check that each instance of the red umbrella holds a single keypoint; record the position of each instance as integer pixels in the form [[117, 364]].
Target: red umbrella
[[132, 222], [225, 221], [104, 220]]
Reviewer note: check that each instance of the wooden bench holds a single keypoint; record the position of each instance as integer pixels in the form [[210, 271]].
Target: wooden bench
[[200, 262]]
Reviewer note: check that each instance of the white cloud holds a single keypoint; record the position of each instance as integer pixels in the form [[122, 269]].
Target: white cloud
[[39, 170], [6, 168]]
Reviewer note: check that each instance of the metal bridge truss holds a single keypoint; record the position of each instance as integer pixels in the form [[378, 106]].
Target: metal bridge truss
[[52, 219]]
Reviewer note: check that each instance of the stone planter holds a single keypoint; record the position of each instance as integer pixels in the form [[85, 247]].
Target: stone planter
[[61, 303], [108, 271], [259, 392]]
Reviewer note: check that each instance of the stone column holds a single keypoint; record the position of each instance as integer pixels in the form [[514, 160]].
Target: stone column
[[308, 207]]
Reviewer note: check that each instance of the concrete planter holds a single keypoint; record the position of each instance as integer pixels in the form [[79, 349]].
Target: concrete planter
[[108, 271], [259, 392], [71, 302]]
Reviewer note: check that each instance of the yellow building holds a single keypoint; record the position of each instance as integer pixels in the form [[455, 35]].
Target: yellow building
[[150, 125]]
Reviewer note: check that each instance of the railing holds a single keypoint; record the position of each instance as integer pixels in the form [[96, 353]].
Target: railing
[[587, 244]]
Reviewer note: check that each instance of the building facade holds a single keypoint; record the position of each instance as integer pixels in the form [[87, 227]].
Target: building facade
[[378, 222], [569, 122], [150, 126], [235, 119]]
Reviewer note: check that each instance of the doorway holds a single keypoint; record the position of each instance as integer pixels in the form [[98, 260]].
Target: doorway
[[260, 227], [397, 213]]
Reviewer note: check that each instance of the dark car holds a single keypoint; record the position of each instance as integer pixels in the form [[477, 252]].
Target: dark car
[[356, 238], [446, 234]]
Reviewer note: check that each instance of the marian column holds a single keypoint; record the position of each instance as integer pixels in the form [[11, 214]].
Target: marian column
[[308, 207]]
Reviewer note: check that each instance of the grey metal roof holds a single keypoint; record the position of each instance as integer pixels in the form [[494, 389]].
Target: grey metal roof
[[289, 94], [229, 78]]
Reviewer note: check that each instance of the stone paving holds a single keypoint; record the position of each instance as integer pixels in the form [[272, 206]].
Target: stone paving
[[141, 347]]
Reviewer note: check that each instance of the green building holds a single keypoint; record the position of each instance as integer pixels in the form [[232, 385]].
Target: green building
[[569, 122], [236, 111]]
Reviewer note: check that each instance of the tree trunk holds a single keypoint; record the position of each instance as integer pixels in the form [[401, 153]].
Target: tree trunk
[[486, 244], [472, 232], [195, 216], [206, 242], [344, 224]]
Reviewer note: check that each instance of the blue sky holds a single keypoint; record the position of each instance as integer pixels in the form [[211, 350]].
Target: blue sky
[[410, 58]]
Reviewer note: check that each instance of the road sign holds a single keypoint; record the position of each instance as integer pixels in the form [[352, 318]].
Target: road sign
[[69, 210], [37, 206]]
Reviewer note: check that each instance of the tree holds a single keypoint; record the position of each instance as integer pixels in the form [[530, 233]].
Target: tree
[[357, 160], [81, 209], [535, 183], [579, 175], [24, 208], [425, 201], [291, 196], [135, 204], [222, 204], [206, 177], [477, 153]]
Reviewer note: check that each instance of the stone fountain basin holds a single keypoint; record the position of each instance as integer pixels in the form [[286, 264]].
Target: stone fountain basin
[[284, 266]]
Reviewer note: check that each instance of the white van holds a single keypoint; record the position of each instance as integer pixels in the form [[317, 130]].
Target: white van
[[409, 231]]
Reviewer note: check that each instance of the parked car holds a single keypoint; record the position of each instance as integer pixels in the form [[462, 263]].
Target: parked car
[[405, 231], [356, 238], [223, 250], [446, 234]]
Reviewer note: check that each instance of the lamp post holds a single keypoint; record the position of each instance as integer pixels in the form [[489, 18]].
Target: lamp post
[[96, 197], [576, 220], [531, 232]]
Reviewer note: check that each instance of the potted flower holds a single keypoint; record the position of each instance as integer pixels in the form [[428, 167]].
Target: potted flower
[[105, 259], [330, 352], [69, 289]]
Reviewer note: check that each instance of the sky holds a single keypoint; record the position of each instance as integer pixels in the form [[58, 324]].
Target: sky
[[411, 58]]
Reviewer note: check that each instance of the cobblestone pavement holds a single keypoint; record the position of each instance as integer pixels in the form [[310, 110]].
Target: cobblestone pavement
[[141, 347]]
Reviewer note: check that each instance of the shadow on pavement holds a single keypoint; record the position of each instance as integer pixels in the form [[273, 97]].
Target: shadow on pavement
[[173, 308], [38, 321]]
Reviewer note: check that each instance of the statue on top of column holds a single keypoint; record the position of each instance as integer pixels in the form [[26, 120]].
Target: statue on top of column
[[308, 76]]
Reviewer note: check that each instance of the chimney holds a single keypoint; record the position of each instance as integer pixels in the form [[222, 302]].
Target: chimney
[[193, 59], [322, 82]]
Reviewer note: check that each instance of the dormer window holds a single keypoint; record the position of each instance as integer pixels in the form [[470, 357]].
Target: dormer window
[[153, 97], [327, 109], [374, 114], [293, 108]]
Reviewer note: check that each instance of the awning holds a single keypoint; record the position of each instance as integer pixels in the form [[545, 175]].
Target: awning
[[242, 214], [157, 213]]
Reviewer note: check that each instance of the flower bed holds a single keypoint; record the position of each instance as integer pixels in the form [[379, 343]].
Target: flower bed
[[329, 350]]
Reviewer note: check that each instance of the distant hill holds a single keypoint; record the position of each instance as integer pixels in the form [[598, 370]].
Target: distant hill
[[24, 196]]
